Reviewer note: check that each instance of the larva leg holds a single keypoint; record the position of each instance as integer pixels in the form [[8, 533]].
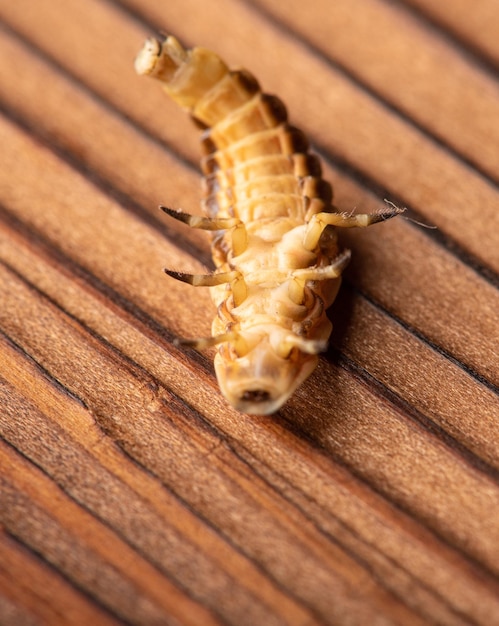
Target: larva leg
[[235, 278], [239, 235], [198, 221], [296, 287], [327, 271], [205, 280], [308, 346], [238, 344], [320, 221], [265, 275], [202, 343]]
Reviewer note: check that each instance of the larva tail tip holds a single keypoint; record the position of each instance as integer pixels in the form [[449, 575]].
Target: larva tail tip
[[147, 58]]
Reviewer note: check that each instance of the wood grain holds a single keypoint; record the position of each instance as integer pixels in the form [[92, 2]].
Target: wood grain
[[130, 493]]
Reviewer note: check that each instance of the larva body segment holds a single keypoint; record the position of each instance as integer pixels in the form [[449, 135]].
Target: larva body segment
[[274, 246]]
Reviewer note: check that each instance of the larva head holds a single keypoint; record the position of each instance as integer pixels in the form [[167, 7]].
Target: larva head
[[261, 381]]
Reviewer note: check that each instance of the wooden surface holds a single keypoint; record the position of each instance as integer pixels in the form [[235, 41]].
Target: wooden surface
[[130, 492]]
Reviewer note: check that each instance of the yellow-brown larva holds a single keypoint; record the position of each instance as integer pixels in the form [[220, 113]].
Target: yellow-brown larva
[[275, 246]]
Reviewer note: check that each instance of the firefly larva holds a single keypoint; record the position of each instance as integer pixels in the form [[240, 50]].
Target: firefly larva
[[278, 262]]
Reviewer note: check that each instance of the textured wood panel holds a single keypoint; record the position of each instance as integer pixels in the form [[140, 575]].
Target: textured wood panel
[[130, 493]]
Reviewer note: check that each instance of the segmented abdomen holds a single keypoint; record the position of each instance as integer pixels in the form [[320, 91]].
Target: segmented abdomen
[[278, 263], [266, 157]]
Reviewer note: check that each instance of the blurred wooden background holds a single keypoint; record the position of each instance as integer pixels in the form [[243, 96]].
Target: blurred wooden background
[[130, 492]]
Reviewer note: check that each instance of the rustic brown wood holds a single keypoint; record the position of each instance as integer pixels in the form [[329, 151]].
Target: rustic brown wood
[[130, 492]]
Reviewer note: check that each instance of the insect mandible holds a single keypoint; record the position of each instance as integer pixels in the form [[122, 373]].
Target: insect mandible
[[275, 246]]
